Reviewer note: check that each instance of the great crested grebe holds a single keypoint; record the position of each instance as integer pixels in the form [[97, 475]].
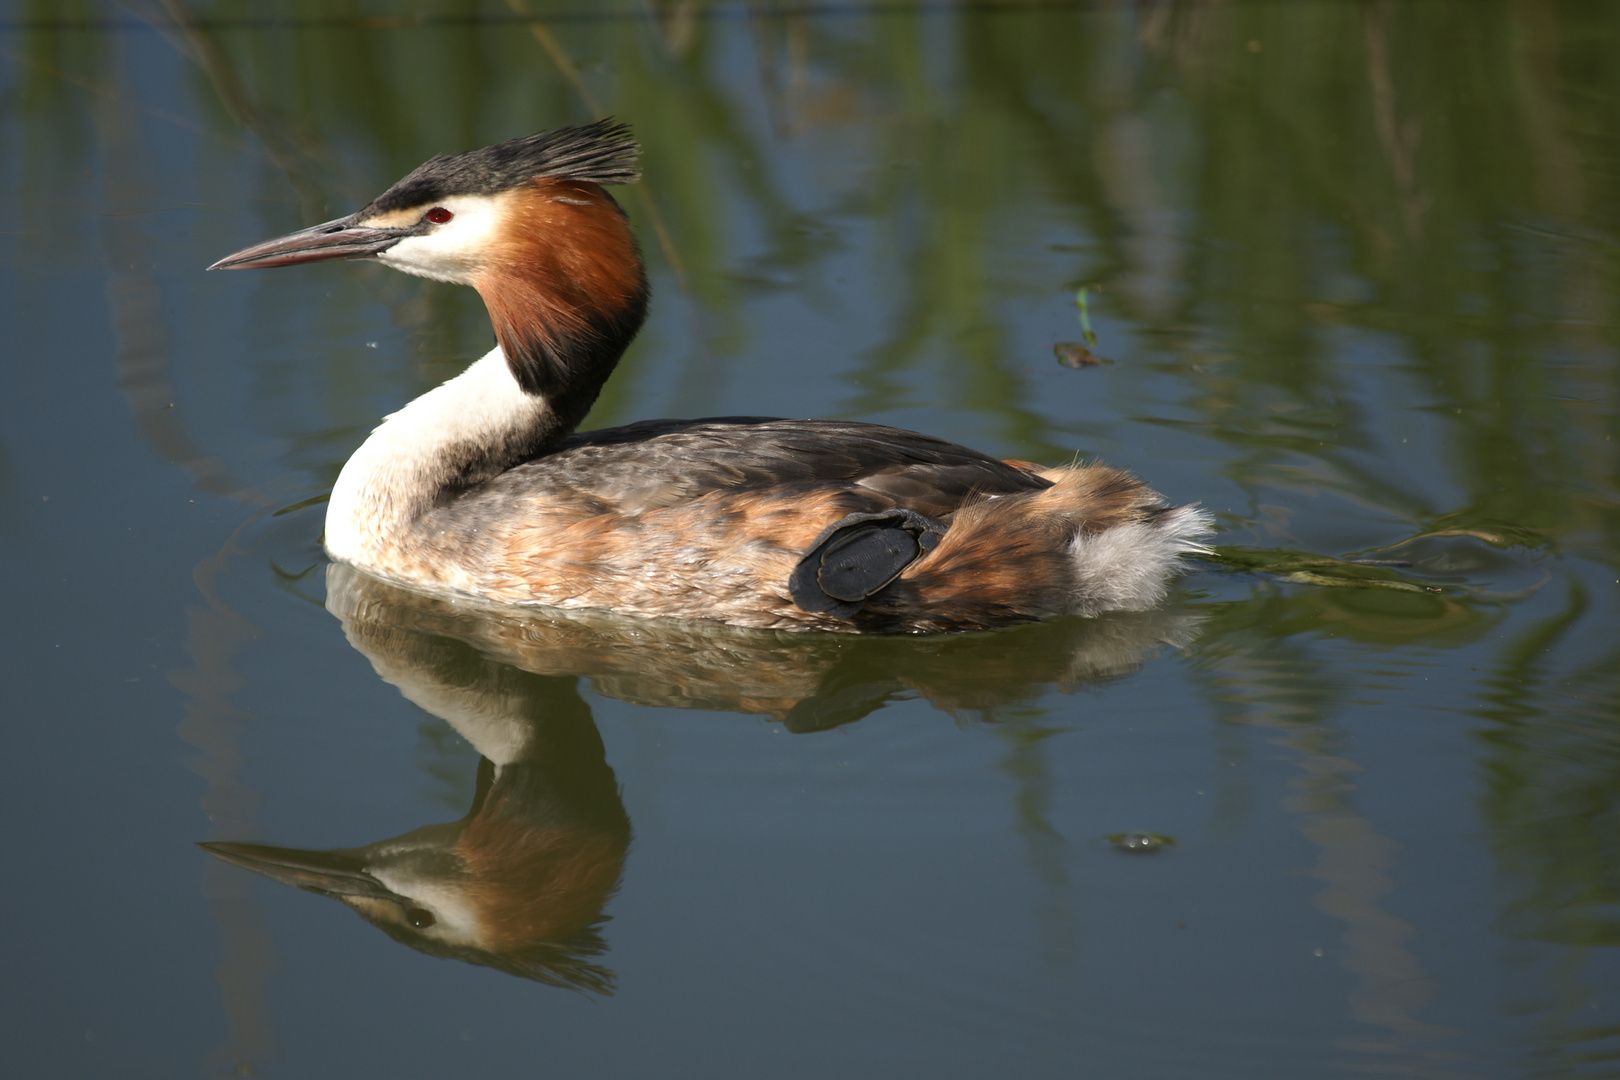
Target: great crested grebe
[[481, 486]]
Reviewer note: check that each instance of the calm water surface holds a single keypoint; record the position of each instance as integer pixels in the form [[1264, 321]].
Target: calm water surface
[[1352, 271]]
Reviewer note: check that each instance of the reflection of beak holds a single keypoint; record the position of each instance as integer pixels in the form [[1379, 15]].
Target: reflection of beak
[[330, 873], [340, 239]]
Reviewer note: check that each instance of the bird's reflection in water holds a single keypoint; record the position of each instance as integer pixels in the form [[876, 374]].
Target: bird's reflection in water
[[519, 884]]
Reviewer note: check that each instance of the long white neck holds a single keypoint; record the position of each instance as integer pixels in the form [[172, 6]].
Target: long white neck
[[474, 427]]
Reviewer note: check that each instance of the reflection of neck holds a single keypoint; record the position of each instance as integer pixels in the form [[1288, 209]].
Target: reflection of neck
[[536, 730], [453, 683]]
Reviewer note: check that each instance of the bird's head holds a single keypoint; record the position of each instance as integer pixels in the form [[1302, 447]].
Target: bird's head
[[493, 890], [527, 223]]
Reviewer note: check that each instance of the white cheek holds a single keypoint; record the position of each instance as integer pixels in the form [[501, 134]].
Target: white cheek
[[456, 918], [418, 255], [453, 251]]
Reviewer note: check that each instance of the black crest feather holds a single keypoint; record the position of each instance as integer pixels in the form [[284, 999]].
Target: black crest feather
[[601, 153]]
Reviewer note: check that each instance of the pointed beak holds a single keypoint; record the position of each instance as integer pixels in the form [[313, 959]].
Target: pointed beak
[[340, 239], [330, 873]]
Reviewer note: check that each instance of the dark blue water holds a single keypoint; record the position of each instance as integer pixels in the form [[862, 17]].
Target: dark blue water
[[1352, 270]]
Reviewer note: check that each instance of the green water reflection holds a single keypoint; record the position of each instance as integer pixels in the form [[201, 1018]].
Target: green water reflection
[[1356, 264]]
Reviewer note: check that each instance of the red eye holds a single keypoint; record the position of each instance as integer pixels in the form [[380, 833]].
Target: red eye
[[439, 215]]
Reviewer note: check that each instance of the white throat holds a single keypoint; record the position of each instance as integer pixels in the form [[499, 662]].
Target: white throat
[[449, 436]]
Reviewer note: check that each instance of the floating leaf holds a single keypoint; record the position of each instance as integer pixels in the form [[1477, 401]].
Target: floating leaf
[[1308, 577], [1306, 569], [1072, 354]]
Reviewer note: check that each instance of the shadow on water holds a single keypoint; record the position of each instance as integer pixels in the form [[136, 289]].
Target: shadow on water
[[809, 682], [519, 883]]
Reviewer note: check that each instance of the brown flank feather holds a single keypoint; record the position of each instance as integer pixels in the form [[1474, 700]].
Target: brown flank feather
[[728, 554]]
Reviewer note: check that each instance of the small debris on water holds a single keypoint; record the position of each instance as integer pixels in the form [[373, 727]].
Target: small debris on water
[[1072, 354], [1140, 843]]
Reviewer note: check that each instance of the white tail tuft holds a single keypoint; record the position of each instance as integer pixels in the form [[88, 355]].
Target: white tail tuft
[[1127, 567]]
